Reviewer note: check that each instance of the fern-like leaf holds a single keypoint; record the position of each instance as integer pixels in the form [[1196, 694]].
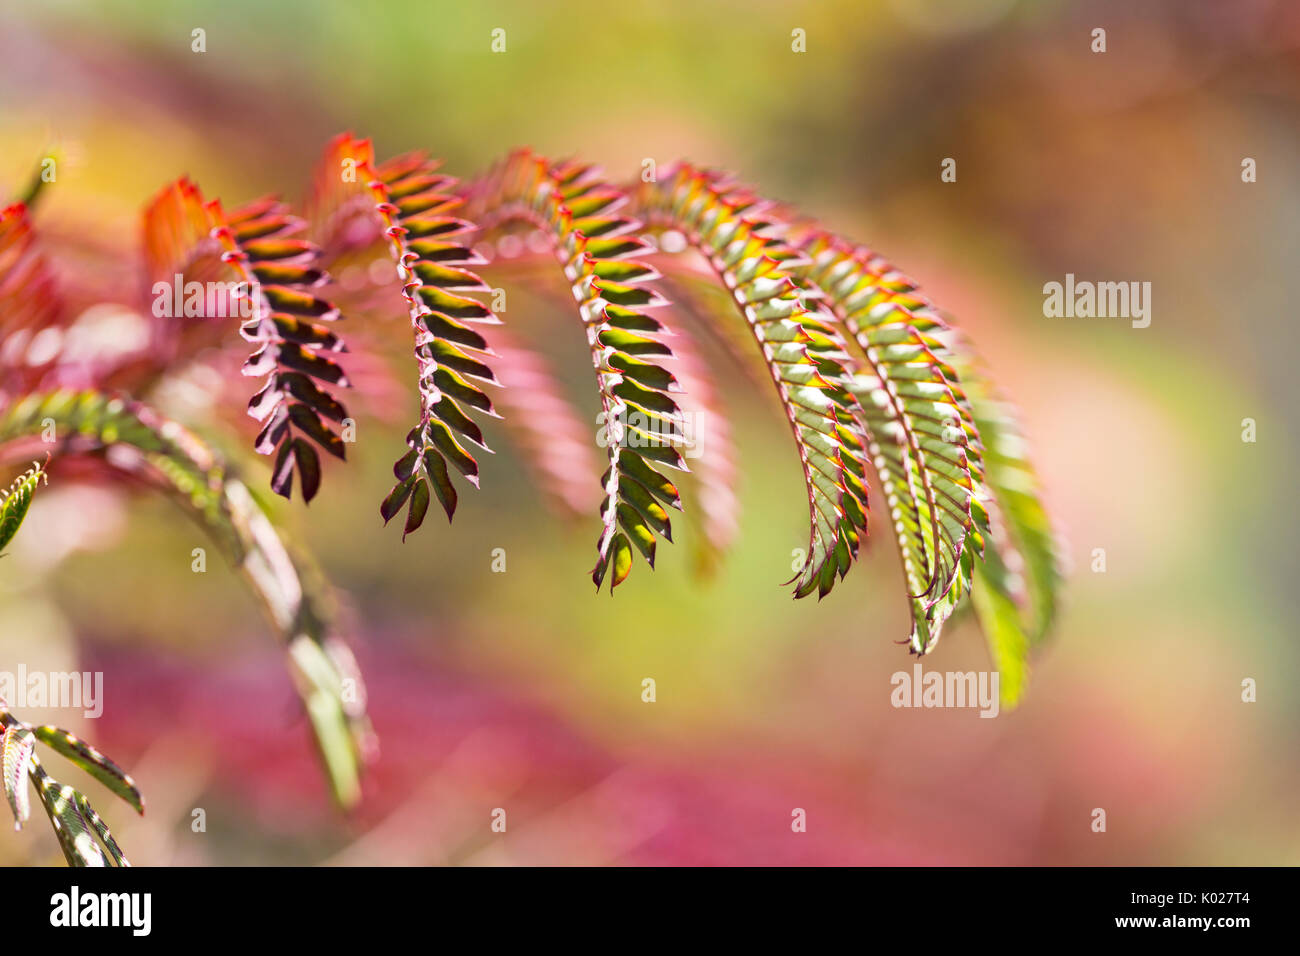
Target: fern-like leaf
[[164, 453], [15, 501], [580, 215], [414, 207], [280, 276], [801, 349], [924, 442], [416, 204], [75, 822]]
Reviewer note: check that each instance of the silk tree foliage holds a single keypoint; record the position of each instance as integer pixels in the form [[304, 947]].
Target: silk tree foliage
[[874, 385], [140, 445]]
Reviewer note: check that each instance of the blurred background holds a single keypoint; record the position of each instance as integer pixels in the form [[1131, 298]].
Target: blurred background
[[522, 690]]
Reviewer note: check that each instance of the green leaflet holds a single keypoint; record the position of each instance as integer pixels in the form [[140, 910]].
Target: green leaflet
[[923, 439], [293, 599], [643, 427], [414, 204], [317, 679], [280, 274], [1008, 644], [860, 360], [17, 499], [944, 446], [93, 762], [18, 745], [804, 355], [1015, 488], [101, 830], [75, 824]]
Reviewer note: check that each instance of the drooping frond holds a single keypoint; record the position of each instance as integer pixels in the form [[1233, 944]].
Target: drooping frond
[[924, 442], [802, 351], [280, 276], [30, 301], [864, 369], [416, 205], [558, 446], [164, 454], [580, 215], [413, 207]]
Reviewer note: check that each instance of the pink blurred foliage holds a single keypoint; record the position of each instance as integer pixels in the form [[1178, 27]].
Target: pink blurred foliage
[[454, 747]]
